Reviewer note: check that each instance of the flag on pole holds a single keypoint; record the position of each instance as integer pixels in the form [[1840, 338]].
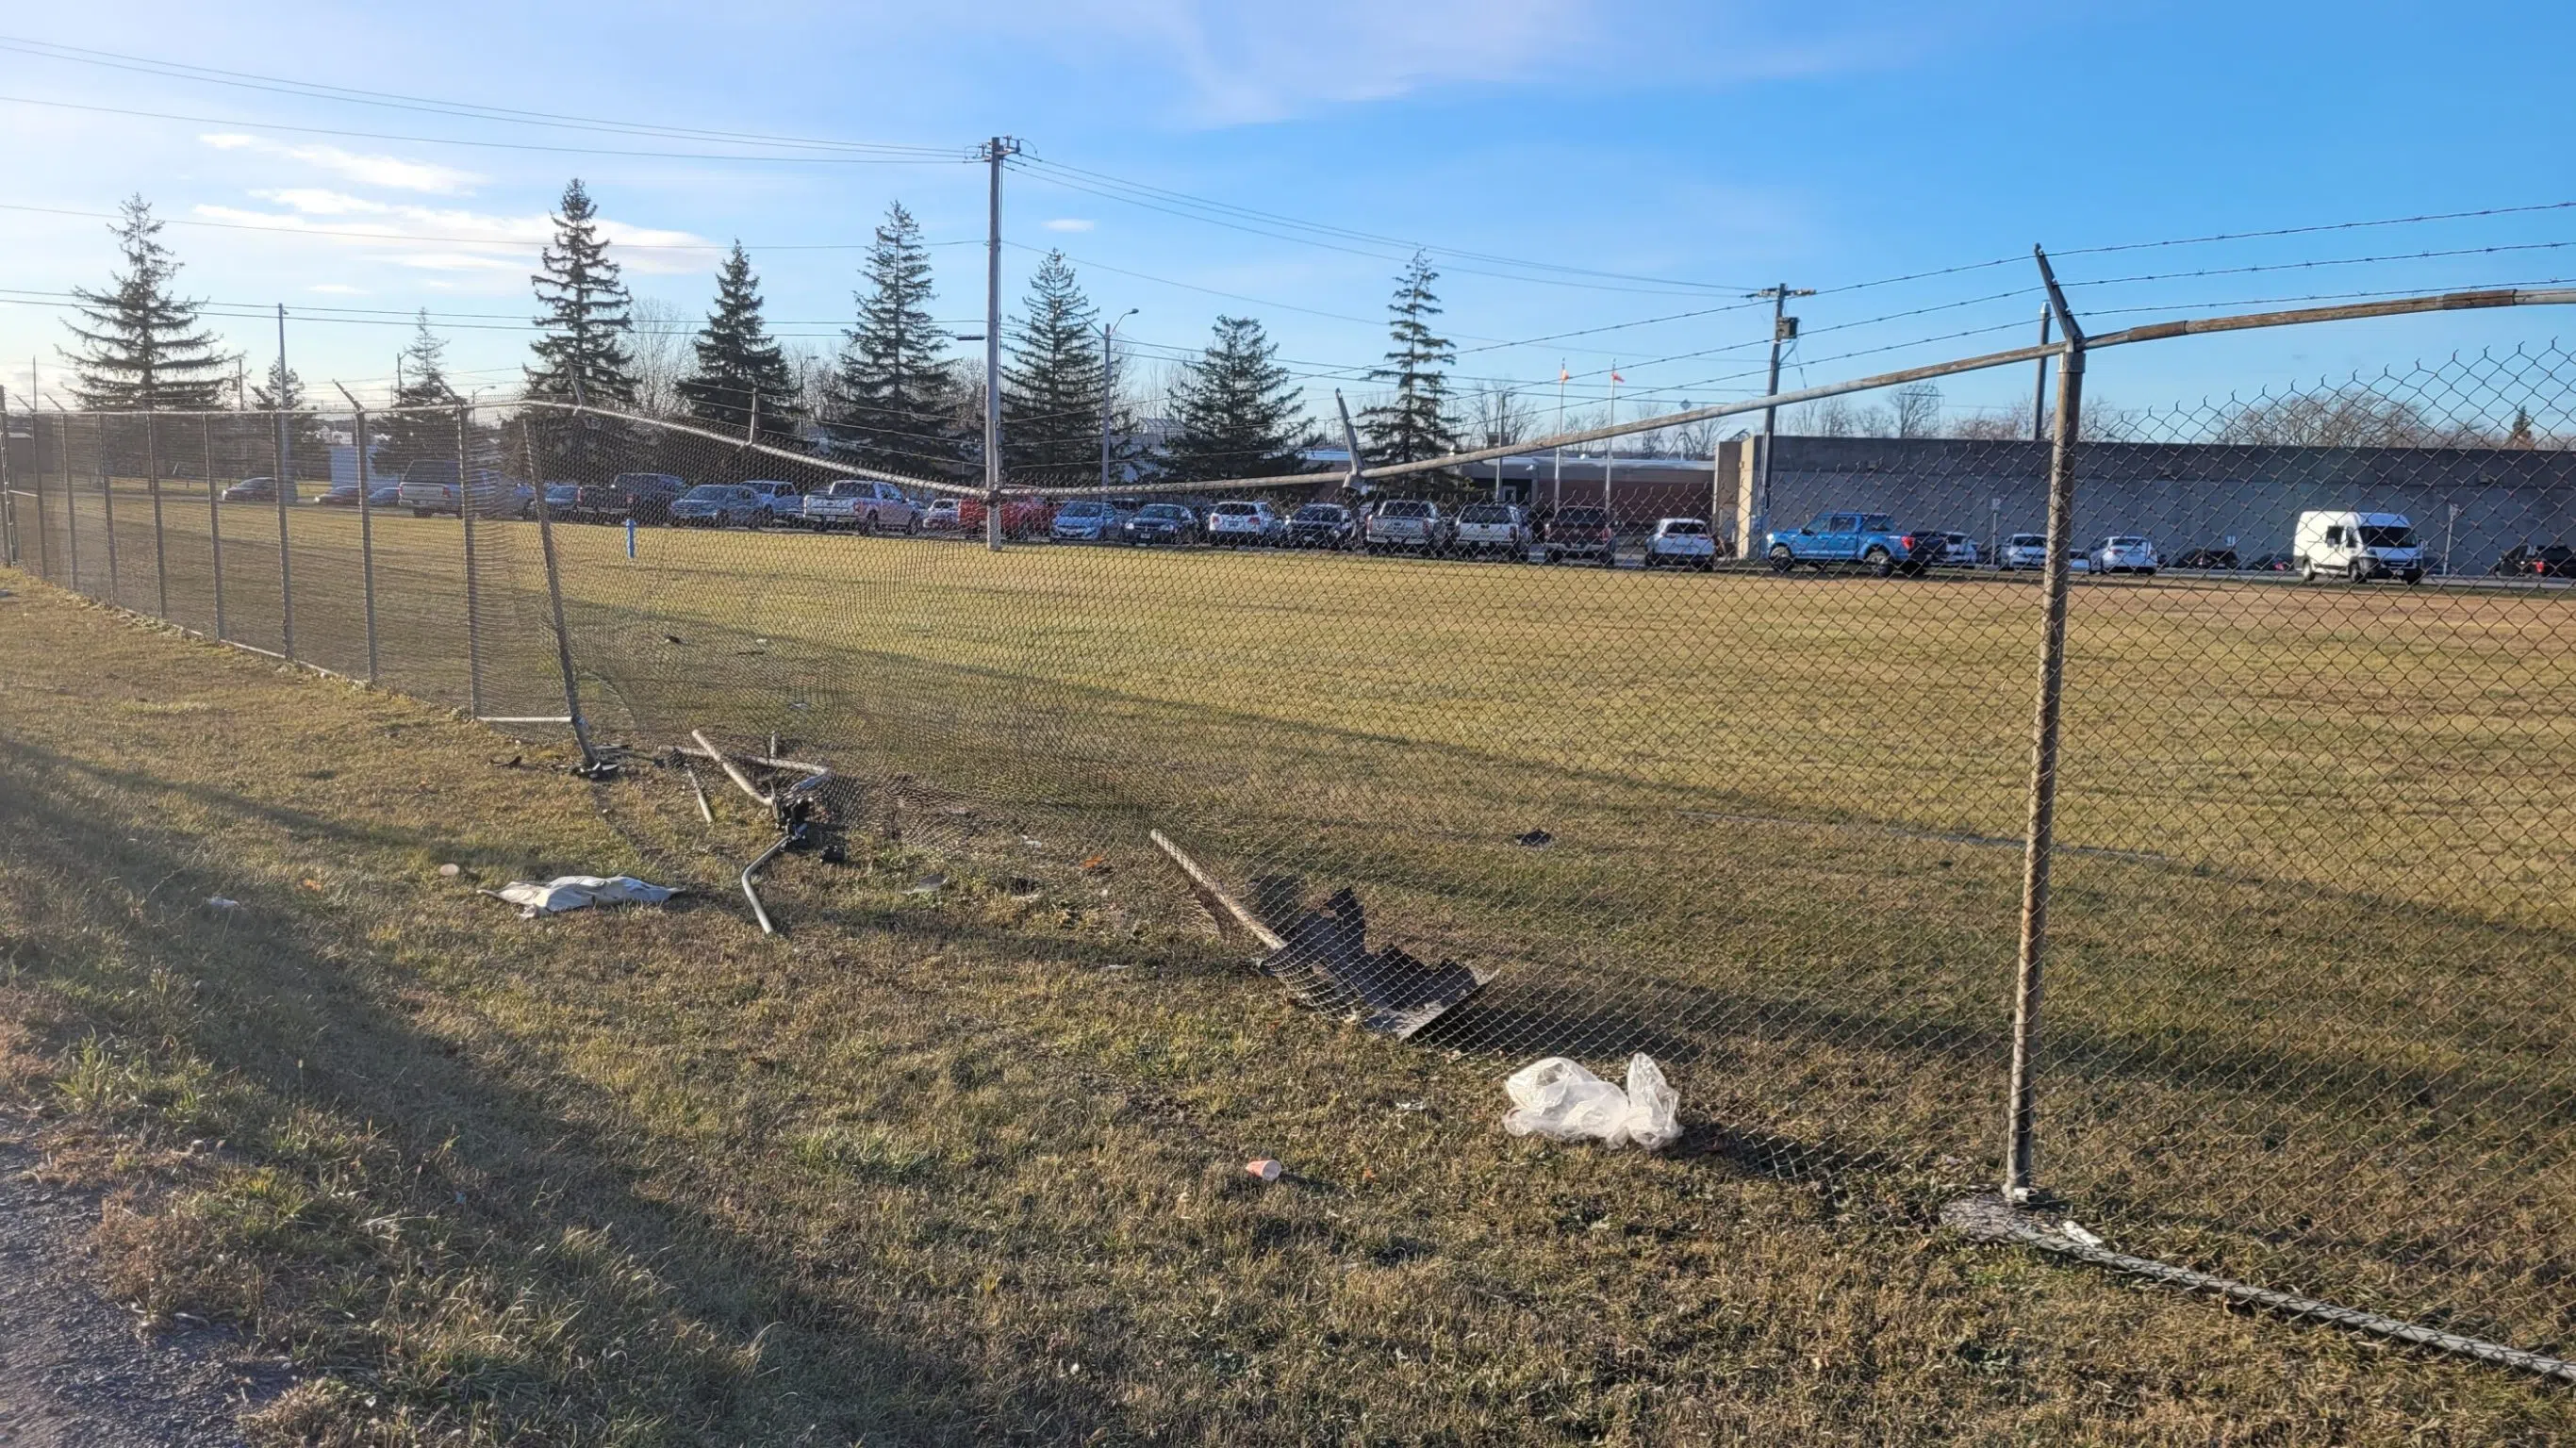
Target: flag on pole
[[1562, 375], [1615, 377]]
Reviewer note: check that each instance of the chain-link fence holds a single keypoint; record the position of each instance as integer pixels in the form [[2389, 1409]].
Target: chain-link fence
[[1730, 760]]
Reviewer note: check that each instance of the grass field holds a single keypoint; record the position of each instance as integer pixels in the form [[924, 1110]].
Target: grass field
[[947, 1168], [2309, 1000]]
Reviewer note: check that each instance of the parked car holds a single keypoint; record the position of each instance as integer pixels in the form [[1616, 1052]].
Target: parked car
[[388, 496], [1323, 525], [1235, 522], [2357, 546], [1161, 523], [719, 505], [1086, 520], [2547, 560], [339, 495], [252, 490], [2024, 550], [870, 505], [2216, 560], [1682, 543], [1021, 517], [1579, 533], [2078, 561], [786, 500], [944, 515], [1408, 524], [2125, 553], [2269, 563], [428, 488], [1497, 528], [560, 497], [1868, 540], [644, 497], [1958, 550]]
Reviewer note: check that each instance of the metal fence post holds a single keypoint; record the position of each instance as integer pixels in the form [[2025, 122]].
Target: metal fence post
[[8, 494], [214, 524], [107, 505], [152, 473], [71, 507], [554, 589], [473, 612], [366, 543], [285, 562], [2020, 1129], [44, 529]]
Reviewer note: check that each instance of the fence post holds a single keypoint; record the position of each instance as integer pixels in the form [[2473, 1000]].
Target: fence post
[[152, 472], [473, 616], [285, 563], [2020, 1149], [214, 524], [107, 506], [8, 495], [366, 542], [44, 529], [71, 505], [554, 586]]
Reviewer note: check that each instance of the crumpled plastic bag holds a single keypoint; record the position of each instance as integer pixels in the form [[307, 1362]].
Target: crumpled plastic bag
[[1560, 1100], [572, 892]]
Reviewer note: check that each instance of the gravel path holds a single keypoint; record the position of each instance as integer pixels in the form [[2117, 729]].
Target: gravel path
[[73, 1367]]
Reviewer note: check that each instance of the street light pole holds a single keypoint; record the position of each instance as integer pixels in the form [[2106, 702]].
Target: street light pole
[[1108, 388], [997, 150]]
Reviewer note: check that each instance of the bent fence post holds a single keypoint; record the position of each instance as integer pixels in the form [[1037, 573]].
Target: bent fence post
[[2020, 1145], [554, 599]]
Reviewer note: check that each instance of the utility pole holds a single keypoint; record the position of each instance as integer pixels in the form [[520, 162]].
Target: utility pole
[[2039, 394], [1556, 484], [1784, 328], [1108, 389], [996, 151]]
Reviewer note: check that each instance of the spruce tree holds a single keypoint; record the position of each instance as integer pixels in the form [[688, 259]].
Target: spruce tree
[[1414, 423], [895, 403], [737, 360], [282, 391], [1236, 410], [579, 355], [405, 437], [1056, 382], [142, 346]]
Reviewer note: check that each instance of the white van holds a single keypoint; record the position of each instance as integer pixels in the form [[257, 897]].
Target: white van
[[2357, 546]]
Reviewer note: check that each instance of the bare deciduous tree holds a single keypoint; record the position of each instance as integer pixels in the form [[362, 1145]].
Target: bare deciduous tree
[[660, 342], [1917, 409]]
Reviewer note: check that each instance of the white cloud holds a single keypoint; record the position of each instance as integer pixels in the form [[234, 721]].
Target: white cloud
[[337, 289], [460, 239], [1069, 223], [391, 172]]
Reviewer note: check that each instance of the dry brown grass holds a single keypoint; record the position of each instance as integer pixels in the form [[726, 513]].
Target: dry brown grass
[[949, 1168]]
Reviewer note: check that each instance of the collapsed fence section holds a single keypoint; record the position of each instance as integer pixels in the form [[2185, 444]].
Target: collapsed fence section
[[1763, 807]]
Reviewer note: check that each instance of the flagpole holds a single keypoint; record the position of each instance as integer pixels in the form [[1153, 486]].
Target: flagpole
[[1556, 488], [1610, 446]]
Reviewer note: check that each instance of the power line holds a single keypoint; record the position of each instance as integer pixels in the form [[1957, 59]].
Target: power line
[[461, 240]]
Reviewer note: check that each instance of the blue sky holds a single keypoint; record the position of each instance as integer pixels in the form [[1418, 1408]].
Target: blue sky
[[1694, 149]]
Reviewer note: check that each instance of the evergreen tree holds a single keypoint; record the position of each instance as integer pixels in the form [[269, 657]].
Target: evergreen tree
[[580, 357], [405, 437], [141, 346], [1056, 382], [2521, 435], [309, 448], [1414, 423], [1236, 410], [895, 402], [737, 360]]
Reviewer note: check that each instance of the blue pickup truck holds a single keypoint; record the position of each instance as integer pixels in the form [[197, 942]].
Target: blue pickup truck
[[1856, 540]]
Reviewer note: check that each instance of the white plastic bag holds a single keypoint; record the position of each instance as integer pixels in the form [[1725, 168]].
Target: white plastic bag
[[1560, 1100], [1654, 1109], [572, 892]]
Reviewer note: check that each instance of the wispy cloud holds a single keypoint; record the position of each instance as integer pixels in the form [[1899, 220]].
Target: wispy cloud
[[1068, 223], [458, 239], [337, 289], [391, 172]]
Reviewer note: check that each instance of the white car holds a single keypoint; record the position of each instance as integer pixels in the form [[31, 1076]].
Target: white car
[[944, 515], [1681, 543], [1235, 523], [1500, 528], [1958, 551], [2024, 550], [2125, 553], [866, 504]]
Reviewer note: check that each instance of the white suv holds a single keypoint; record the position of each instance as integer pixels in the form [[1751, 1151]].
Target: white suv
[[2125, 553], [1233, 524], [2024, 550]]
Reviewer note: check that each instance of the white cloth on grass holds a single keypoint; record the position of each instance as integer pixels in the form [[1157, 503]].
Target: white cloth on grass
[[572, 892]]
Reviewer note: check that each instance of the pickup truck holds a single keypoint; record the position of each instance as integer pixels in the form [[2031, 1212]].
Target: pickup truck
[[643, 497], [1408, 524], [866, 504], [428, 488], [1497, 528], [1855, 539]]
